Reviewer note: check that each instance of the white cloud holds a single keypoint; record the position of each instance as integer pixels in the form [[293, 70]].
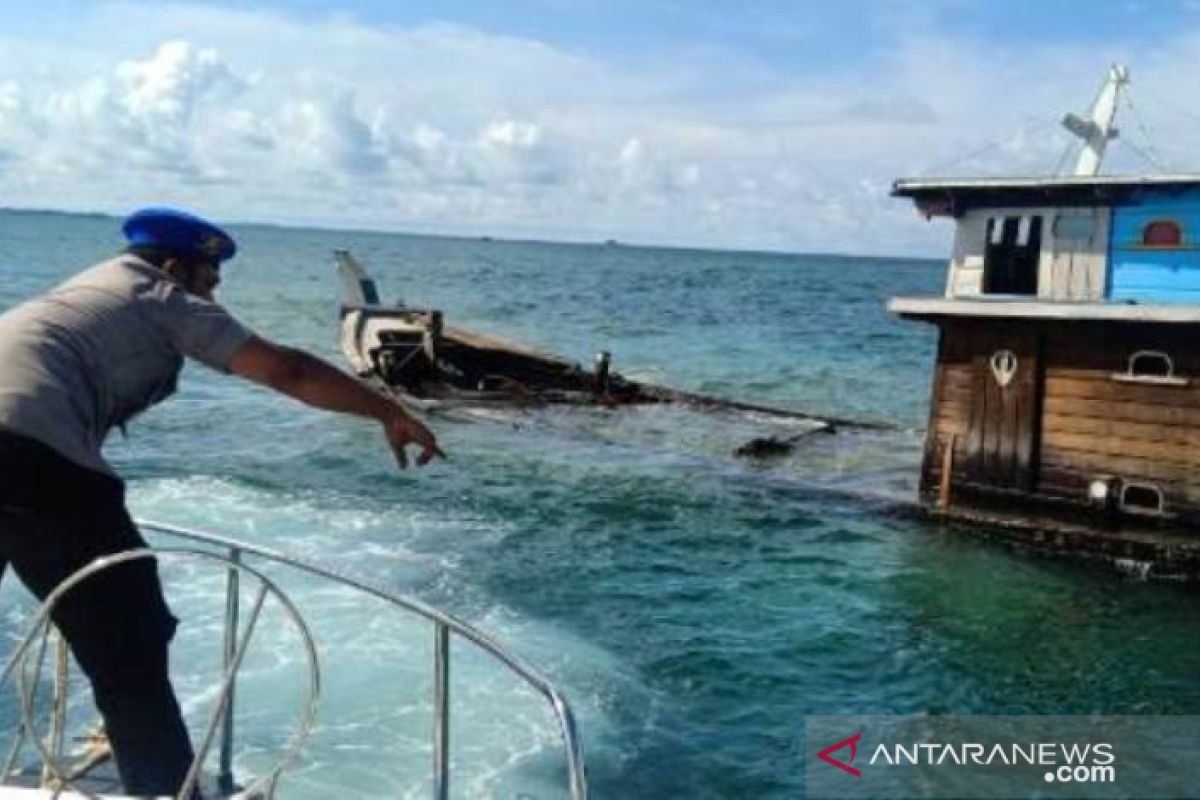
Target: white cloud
[[631, 160], [158, 102], [510, 134], [151, 115], [689, 176], [165, 88], [260, 115], [330, 136]]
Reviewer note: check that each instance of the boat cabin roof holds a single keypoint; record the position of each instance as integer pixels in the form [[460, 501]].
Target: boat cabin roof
[[953, 196]]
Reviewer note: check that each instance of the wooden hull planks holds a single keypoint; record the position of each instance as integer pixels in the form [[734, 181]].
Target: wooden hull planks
[[1072, 415]]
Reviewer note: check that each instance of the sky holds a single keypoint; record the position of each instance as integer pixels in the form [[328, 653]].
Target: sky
[[749, 125]]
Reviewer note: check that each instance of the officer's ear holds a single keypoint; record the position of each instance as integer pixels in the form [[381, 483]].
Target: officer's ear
[[179, 270]]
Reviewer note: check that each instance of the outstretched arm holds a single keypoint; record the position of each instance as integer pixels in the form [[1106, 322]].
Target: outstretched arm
[[317, 383]]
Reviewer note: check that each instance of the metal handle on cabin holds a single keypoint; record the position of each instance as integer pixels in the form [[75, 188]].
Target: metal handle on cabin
[[229, 646], [441, 711]]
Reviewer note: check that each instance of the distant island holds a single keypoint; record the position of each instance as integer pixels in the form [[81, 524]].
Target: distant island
[[53, 212]]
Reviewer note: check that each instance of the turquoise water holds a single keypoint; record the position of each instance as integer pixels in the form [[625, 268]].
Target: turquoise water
[[693, 607]]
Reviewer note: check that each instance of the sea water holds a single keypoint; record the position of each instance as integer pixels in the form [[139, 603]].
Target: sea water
[[692, 606]]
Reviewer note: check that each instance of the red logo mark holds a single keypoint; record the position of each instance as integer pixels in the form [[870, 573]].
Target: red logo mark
[[852, 743]]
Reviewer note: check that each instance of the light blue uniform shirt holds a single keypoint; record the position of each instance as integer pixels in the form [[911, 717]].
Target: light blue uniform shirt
[[105, 345]]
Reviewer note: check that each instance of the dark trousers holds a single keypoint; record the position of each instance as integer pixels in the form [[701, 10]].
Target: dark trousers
[[56, 517]]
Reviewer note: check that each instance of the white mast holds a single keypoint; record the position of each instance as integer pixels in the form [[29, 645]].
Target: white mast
[[1097, 130]]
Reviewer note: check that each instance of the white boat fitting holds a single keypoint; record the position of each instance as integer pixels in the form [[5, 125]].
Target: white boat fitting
[[52, 778]]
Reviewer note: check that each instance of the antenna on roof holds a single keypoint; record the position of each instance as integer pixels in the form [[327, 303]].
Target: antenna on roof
[[1098, 129]]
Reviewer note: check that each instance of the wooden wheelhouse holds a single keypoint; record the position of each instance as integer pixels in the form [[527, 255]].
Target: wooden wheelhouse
[[1067, 384]]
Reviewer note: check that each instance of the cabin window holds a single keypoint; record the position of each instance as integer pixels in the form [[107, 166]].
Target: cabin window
[[1162, 233], [1010, 262]]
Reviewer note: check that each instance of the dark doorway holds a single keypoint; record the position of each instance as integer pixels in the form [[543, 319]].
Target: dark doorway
[[1010, 261]]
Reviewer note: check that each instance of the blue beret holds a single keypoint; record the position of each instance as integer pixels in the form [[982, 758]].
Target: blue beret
[[179, 231]]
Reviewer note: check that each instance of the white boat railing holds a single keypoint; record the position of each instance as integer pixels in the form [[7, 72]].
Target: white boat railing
[[234, 555]]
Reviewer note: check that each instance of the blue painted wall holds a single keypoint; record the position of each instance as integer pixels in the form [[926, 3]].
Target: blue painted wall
[[1149, 274]]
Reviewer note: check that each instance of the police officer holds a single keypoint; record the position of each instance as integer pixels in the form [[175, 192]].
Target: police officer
[[83, 359]]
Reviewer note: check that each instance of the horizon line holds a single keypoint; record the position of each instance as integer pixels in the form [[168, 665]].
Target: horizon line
[[610, 242]]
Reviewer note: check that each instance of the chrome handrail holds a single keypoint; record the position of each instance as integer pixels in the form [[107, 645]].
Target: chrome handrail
[[444, 624], [52, 771]]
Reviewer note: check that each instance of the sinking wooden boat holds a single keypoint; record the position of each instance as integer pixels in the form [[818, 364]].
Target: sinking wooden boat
[[1065, 399], [415, 354]]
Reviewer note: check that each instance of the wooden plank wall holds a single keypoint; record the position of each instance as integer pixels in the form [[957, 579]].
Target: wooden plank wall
[[1093, 425], [1075, 268], [1002, 434], [1090, 425], [965, 276], [950, 405], [1072, 266]]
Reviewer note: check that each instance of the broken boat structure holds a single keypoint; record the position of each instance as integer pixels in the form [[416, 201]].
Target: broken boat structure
[[1065, 406], [414, 354], [411, 351]]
